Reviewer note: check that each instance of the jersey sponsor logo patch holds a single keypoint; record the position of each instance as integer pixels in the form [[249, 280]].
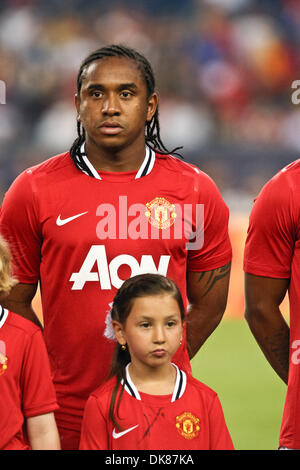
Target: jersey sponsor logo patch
[[60, 221], [117, 435], [160, 213], [106, 273], [188, 425], [3, 358]]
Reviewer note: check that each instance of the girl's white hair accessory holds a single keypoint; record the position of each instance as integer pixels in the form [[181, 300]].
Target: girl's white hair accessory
[[109, 331]]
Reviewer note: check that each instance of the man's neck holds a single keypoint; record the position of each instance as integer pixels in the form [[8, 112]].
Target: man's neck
[[120, 160]]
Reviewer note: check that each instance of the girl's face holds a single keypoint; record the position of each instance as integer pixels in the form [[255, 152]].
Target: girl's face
[[153, 330]]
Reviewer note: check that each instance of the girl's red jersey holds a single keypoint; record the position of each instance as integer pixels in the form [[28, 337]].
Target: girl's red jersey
[[191, 418], [26, 388]]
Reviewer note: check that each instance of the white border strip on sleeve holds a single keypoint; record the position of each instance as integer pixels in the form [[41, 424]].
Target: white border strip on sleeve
[[3, 316]]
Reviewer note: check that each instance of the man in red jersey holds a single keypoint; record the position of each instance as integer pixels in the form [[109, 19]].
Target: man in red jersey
[[116, 205], [272, 266]]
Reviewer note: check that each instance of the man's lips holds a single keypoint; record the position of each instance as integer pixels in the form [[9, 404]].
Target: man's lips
[[110, 127]]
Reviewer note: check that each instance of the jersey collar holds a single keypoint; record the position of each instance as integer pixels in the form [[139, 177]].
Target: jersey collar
[[179, 388], [3, 315], [83, 164]]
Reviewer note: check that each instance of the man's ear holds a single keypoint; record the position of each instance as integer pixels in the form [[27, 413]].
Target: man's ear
[[77, 103], [152, 106]]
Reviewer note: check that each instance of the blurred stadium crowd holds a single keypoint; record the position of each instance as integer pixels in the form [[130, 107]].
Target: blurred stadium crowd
[[224, 71]]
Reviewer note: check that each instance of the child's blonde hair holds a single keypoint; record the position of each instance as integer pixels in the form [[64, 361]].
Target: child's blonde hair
[[7, 281]]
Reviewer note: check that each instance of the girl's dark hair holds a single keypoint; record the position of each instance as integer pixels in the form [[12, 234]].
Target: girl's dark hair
[[142, 285], [152, 130]]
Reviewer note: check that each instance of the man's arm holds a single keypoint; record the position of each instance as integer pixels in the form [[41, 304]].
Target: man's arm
[[207, 295], [263, 297], [19, 301]]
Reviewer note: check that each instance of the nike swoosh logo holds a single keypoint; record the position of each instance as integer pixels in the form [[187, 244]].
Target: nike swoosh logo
[[116, 434], [60, 221]]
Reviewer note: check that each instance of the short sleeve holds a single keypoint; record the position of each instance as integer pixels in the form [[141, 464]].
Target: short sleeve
[[94, 430], [220, 438], [213, 248], [38, 391], [272, 231], [19, 225]]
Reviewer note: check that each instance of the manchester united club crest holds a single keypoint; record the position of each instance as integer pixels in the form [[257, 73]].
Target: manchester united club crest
[[188, 425], [160, 213], [3, 358]]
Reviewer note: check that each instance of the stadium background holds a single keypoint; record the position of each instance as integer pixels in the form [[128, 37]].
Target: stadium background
[[224, 70]]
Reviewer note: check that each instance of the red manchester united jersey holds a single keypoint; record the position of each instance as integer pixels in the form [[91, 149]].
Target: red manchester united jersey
[[190, 418], [26, 388], [273, 250], [81, 235]]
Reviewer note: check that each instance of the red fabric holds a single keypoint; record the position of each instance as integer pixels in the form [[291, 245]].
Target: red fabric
[[273, 250], [69, 438], [80, 272], [26, 388], [195, 421]]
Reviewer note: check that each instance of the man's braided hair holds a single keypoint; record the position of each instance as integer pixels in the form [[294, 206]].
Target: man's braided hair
[[152, 128]]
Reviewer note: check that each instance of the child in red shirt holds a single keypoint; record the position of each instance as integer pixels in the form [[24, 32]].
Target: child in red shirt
[[27, 394], [148, 403]]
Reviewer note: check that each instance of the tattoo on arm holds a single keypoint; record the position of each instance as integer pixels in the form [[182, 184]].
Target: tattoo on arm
[[209, 278], [279, 346]]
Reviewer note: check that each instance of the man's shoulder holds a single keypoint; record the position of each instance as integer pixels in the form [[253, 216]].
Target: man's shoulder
[[293, 167], [186, 170], [58, 168], [52, 164], [283, 186], [290, 173], [178, 165]]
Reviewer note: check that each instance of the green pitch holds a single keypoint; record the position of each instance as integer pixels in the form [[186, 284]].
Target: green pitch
[[252, 395]]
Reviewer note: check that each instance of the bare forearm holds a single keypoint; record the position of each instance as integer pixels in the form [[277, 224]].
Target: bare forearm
[[46, 441], [272, 335], [207, 292], [42, 432], [263, 297], [199, 327]]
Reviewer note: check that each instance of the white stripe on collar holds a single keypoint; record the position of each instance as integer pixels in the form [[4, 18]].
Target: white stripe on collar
[[179, 388], [180, 384], [129, 385], [3, 315], [145, 168], [147, 164]]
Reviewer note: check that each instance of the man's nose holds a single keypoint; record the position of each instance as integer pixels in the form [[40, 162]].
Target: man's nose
[[111, 105]]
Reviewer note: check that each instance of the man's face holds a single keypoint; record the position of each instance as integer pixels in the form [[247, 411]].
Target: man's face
[[113, 106]]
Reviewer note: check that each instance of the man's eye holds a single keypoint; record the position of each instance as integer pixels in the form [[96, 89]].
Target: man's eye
[[96, 94], [145, 325], [126, 94], [171, 323]]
